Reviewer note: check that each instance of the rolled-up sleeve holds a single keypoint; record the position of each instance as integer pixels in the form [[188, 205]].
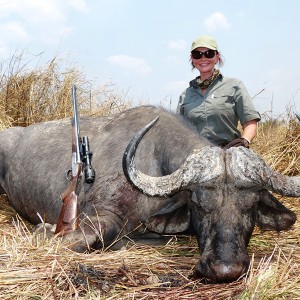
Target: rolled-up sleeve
[[244, 105], [179, 109]]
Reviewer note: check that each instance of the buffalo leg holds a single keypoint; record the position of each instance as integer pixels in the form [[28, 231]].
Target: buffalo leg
[[94, 232]]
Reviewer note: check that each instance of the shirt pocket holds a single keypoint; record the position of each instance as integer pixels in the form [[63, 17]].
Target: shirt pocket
[[191, 101], [224, 99], [190, 97]]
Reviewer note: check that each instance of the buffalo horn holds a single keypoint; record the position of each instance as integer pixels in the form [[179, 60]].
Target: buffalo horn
[[249, 169], [202, 167]]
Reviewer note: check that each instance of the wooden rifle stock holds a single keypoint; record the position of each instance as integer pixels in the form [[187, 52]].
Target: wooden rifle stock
[[68, 217], [67, 220]]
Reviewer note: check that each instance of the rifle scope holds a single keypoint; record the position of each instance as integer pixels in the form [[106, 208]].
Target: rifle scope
[[89, 172]]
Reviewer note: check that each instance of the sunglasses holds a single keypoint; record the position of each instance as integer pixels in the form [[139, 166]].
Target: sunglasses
[[208, 54]]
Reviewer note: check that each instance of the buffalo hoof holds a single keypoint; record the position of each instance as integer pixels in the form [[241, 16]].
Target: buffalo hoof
[[75, 240], [45, 230]]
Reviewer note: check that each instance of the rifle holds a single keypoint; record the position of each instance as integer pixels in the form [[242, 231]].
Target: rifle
[[81, 156]]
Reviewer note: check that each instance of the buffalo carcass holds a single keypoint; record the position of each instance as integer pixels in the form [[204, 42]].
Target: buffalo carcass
[[174, 181]]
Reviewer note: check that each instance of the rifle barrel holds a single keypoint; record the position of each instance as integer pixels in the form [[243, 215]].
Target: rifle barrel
[[75, 108]]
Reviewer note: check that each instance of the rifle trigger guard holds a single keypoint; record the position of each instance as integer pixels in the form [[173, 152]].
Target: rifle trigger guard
[[69, 175]]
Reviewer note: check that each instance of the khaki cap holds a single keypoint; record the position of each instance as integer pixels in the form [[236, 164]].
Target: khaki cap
[[206, 42]]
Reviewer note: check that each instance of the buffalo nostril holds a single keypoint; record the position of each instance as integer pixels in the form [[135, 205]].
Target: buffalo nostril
[[227, 272]]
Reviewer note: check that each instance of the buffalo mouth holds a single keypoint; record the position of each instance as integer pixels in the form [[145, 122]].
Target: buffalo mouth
[[220, 272]]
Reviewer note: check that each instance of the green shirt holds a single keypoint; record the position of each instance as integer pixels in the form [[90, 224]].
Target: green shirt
[[216, 113]]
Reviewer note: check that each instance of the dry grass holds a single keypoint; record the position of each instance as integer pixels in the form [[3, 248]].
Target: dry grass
[[35, 268], [34, 95], [278, 142], [275, 277]]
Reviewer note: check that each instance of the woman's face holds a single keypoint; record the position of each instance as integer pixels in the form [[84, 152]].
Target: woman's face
[[205, 65]]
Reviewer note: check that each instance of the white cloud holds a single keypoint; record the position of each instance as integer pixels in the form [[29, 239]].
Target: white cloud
[[45, 21], [130, 63], [178, 45], [13, 31], [7, 7], [36, 11], [79, 5], [216, 21]]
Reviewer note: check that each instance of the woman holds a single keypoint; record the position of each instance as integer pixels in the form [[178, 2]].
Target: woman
[[214, 103]]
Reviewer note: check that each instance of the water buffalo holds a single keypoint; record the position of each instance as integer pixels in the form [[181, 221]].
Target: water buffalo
[[173, 181]]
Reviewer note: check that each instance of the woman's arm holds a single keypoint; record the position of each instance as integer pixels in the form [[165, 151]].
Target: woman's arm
[[249, 130]]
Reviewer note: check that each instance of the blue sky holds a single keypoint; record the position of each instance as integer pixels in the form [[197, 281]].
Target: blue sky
[[143, 45]]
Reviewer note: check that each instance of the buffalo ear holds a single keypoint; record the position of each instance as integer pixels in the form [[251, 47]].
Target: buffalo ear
[[273, 215], [174, 217]]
